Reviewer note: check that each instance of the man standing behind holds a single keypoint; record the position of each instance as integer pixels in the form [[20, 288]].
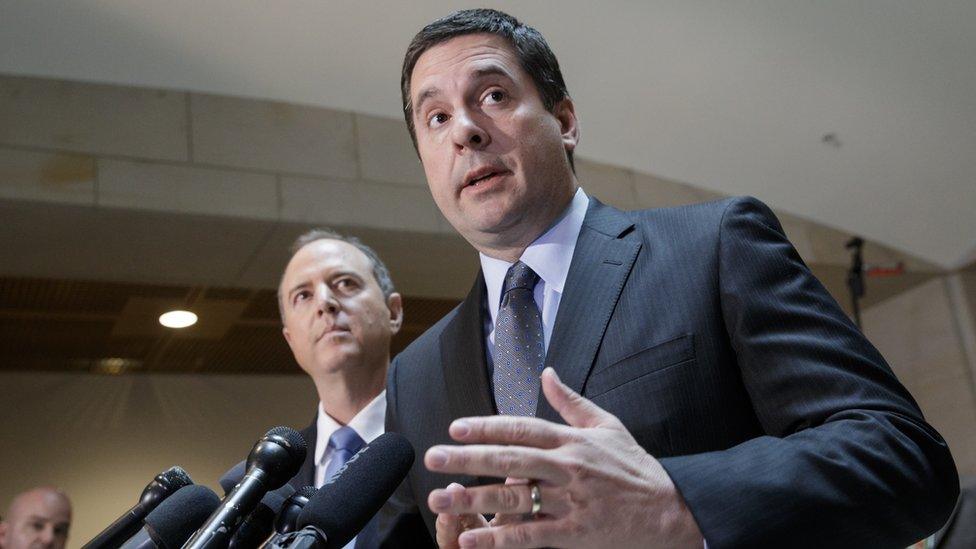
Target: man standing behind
[[36, 519], [339, 312], [709, 390]]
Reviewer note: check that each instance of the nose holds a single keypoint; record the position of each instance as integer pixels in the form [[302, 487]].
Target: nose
[[468, 133], [326, 302], [47, 537]]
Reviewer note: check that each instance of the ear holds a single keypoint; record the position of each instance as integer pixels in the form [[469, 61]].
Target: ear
[[565, 112], [395, 304], [287, 334]]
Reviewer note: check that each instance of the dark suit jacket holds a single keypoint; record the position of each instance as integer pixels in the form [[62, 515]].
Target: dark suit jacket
[[703, 331]]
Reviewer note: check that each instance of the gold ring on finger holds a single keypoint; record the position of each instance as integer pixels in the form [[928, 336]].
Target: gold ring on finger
[[536, 494]]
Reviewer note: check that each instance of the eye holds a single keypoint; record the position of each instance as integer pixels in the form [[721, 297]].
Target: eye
[[347, 284], [436, 119], [302, 295], [495, 96]]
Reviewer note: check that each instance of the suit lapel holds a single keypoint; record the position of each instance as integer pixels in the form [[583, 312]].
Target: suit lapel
[[605, 252], [463, 358]]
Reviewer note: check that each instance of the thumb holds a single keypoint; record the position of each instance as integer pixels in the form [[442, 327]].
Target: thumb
[[573, 407]]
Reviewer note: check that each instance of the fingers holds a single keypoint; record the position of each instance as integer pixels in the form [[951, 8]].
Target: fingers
[[574, 408], [536, 533], [510, 518], [520, 431], [449, 526], [496, 461], [503, 499]]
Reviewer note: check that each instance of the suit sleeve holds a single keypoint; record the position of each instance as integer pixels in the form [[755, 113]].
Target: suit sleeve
[[847, 459], [399, 522]]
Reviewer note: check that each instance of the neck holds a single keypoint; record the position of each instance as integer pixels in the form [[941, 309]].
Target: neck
[[344, 394], [511, 244]]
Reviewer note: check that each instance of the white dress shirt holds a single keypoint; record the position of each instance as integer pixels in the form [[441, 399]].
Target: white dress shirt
[[549, 256], [368, 424]]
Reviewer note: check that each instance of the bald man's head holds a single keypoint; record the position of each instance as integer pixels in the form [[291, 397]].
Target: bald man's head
[[36, 519]]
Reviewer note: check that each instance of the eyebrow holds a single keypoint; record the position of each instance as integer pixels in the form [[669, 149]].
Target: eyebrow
[[478, 74], [297, 287], [426, 94]]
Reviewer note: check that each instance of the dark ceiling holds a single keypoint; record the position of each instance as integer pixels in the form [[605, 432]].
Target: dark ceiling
[[112, 328]]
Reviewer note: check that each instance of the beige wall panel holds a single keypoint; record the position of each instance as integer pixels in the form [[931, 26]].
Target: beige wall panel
[[60, 241], [655, 192], [386, 153], [93, 118], [143, 185], [102, 438], [611, 185], [267, 135], [916, 333], [360, 204], [969, 287], [48, 177]]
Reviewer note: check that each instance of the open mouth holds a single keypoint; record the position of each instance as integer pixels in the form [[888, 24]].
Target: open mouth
[[482, 176]]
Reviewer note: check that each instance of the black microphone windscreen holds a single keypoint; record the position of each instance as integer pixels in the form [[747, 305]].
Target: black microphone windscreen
[[307, 491], [176, 518], [347, 500], [232, 477], [276, 498]]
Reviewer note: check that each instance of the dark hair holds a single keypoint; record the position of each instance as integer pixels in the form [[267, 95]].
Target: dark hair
[[530, 47], [380, 272]]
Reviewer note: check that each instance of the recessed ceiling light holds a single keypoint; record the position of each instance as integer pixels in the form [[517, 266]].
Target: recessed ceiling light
[[178, 319]]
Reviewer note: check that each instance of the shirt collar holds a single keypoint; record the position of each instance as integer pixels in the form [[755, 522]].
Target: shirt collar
[[549, 255], [368, 424]]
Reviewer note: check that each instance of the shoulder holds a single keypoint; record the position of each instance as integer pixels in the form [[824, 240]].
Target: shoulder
[[705, 212], [423, 355], [702, 223], [428, 343]]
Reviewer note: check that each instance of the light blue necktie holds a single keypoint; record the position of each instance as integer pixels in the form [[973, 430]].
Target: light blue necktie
[[519, 351], [344, 443]]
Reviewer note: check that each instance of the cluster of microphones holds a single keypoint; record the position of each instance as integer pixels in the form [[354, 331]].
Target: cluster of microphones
[[262, 509]]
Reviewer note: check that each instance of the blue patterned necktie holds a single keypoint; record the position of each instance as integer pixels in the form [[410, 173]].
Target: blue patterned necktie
[[519, 352], [344, 443]]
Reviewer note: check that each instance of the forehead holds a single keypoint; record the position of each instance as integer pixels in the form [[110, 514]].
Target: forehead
[[324, 256], [46, 505], [463, 56]]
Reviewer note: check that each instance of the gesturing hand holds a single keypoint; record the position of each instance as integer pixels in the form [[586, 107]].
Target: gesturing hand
[[598, 487]]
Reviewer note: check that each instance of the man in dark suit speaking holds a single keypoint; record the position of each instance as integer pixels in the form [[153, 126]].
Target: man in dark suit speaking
[[700, 385]]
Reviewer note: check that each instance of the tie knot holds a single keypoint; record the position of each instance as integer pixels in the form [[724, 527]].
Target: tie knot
[[346, 438], [521, 276]]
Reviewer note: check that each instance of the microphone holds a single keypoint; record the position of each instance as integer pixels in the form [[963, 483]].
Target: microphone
[[274, 459], [347, 500], [160, 488], [230, 478], [288, 516], [170, 524], [259, 525]]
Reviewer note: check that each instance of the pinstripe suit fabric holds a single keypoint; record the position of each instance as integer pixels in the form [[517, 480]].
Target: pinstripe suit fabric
[[704, 332]]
